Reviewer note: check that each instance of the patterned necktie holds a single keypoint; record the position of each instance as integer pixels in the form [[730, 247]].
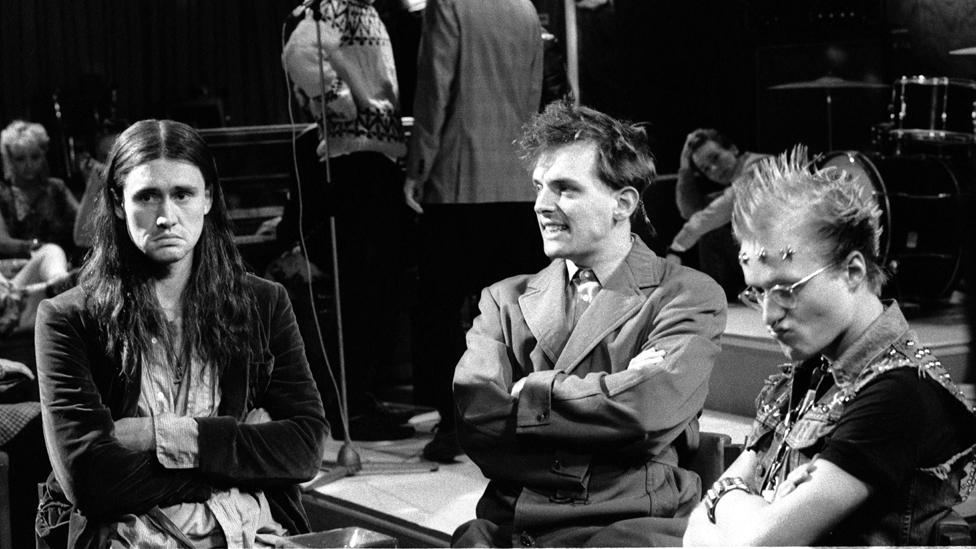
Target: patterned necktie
[[586, 286]]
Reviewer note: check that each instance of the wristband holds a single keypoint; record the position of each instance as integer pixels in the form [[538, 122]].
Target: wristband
[[671, 250], [721, 487]]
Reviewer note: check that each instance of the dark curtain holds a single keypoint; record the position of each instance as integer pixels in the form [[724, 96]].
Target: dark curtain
[[137, 59]]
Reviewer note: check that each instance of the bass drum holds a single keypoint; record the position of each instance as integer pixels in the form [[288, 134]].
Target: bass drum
[[922, 219]]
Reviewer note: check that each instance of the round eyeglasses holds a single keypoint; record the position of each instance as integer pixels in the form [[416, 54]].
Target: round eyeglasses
[[784, 296]]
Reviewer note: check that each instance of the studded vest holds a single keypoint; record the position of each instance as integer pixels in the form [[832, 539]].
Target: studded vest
[[794, 434]]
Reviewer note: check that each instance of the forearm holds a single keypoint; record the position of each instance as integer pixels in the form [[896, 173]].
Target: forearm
[[288, 448], [739, 521], [651, 404], [713, 216], [109, 480], [15, 247]]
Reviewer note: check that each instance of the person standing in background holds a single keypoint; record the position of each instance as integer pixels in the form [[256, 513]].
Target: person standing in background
[[479, 79], [364, 140]]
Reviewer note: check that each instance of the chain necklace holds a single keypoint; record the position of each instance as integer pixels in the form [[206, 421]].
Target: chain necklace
[[176, 350], [793, 414]]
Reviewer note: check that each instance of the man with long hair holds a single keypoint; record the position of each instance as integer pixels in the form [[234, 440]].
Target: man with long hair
[[177, 401], [862, 439]]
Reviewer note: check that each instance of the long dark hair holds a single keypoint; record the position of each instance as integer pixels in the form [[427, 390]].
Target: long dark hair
[[218, 308]]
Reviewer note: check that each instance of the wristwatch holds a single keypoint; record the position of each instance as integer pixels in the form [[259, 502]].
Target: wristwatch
[[721, 487]]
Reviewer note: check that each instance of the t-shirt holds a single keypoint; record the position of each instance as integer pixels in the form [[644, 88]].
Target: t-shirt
[[897, 423]]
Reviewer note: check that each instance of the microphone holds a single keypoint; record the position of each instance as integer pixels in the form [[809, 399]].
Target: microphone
[[297, 12]]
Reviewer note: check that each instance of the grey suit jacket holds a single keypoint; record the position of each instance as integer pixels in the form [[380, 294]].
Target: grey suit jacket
[[479, 79], [585, 428]]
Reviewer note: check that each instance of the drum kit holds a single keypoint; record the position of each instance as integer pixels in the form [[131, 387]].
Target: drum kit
[[922, 166]]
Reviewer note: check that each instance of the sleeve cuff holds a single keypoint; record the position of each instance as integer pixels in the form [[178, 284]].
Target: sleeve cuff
[[535, 400], [177, 445]]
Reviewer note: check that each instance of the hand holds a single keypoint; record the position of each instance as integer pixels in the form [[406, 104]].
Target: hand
[[411, 192], [256, 416], [10, 367], [517, 388], [673, 258], [686, 149], [646, 359], [136, 433], [796, 477], [685, 161]]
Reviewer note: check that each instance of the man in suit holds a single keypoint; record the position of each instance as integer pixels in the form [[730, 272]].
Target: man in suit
[[479, 79], [580, 383]]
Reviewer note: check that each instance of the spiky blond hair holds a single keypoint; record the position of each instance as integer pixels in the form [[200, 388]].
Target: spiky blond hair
[[837, 208]]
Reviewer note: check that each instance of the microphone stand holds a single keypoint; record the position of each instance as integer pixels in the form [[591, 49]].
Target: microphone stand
[[348, 462]]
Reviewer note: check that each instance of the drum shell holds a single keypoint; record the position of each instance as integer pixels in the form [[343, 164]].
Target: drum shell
[[920, 197], [934, 108]]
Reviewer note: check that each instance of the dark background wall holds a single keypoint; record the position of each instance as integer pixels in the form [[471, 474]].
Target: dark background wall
[[154, 54], [682, 64], [675, 64]]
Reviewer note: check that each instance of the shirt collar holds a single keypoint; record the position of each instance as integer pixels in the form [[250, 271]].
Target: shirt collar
[[602, 273], [887, 329]]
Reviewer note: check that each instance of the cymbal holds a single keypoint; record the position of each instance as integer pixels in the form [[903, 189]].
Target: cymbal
[[827, 83], [964, 51]]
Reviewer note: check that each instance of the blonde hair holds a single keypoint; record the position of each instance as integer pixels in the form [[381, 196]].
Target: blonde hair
[[838, 209], [24, 134]]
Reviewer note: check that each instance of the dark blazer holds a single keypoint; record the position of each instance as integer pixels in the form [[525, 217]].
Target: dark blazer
[[83, 391], [588, 441]]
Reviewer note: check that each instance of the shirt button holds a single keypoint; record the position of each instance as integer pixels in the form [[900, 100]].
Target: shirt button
[[526, 540], [556, 465], [153, 340], [542, 416], [160, 396]]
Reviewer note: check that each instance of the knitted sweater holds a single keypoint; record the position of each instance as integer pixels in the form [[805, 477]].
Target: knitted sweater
[[371, 121]]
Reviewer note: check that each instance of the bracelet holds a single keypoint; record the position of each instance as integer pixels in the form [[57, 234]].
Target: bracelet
[[721, 487], [676, 252]]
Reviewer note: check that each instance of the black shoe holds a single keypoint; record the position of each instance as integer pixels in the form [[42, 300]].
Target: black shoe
[[393, 412], [369, 427], [443, 448]]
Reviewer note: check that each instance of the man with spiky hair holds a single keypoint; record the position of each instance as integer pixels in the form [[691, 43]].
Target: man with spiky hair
[[862, 439]]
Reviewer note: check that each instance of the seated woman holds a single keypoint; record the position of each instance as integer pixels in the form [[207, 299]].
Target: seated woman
[[34, 208], [37, 215], [179, 409]]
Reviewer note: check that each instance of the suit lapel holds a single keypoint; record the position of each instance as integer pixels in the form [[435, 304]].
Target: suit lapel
[[617, 301], [544, 308]]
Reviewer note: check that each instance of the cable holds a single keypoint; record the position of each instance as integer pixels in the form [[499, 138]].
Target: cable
[[343, 412]]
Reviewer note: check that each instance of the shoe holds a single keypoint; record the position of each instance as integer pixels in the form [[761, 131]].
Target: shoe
[[371, 427], [443, 448], [396, 412]]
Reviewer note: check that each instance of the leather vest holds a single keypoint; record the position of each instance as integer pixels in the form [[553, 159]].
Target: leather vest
[[925, 499]]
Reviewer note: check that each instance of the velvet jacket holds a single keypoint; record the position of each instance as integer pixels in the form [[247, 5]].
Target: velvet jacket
[[588, 442], [83, 391]]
